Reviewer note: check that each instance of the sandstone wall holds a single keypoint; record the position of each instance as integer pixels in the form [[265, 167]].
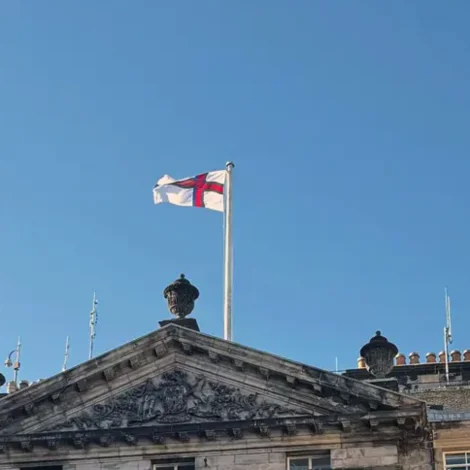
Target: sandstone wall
[[364, 457], [269, 454]]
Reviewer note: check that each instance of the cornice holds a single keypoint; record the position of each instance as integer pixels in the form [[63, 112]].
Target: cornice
[[286, 376]]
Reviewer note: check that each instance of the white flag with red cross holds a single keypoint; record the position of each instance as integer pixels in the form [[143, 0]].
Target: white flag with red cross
[[205, 190], [212, 190]]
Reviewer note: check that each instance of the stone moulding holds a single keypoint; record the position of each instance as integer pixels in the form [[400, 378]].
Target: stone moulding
[[308, 380], [52, 443], [132, 436], [109, 373], [178, 432]]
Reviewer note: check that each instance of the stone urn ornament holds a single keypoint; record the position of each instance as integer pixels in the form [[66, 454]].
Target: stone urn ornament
[[181, 296], [379, 354]]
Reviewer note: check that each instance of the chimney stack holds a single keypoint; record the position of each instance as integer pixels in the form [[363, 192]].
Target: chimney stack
[[466, 355], [12, 387], [431, 358], [414, 358]]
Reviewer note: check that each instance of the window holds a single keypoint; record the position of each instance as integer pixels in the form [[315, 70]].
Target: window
[[312, 462], [174, 464], [457, 461]]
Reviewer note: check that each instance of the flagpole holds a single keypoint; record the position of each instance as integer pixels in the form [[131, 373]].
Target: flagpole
[[93, 322], [228, 254]]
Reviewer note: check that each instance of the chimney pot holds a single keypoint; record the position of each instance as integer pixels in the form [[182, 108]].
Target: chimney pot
[[442, 357], [401, 359], [24, 384], [361, 363], [414, 358], [455, 356], [431, 358], [466, 355]]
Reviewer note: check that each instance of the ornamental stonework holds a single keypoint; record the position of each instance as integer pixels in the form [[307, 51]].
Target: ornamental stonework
[[176, 397]]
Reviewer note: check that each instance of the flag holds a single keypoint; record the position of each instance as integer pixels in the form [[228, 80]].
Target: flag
[[206, 190]]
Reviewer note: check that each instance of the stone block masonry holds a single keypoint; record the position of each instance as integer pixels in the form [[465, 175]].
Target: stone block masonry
[[364, 457], [243, 460], [452, 399], [114, 465]]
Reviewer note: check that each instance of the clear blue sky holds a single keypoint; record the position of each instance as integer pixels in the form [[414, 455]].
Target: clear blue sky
[[349, 126]]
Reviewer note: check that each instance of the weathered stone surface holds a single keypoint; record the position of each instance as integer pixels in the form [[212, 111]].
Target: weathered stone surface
[[244, 460], [252, 459], [89, 378], [262, 466], [453, 399], [113, 464], [176, 397], [277, 457], [226, 416], [415, 458], [88, 466], [215, 461], [362, 457]]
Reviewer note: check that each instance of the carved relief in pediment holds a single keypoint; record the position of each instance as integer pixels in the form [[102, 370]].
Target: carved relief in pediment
[[176, 397]]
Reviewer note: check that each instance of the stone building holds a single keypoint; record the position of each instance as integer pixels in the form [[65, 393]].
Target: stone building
[[178, 399], [447, 397]]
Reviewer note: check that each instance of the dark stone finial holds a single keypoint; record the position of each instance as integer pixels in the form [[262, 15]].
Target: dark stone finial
[[181, 296], [379, 354]]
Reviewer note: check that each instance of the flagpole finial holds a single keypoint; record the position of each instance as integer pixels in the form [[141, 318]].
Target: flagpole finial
[[229, 165]]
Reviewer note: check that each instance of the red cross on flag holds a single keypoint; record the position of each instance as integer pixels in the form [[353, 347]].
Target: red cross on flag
[[206, 190]]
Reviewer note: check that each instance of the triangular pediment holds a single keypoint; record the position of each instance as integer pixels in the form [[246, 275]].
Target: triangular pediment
[[177, 397], [177, 377]]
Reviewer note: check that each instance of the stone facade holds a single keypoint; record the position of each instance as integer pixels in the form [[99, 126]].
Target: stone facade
[[358, 457], [178, 393], [446, 392], [450, 438]]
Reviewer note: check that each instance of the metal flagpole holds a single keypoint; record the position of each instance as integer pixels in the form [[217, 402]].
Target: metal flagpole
[[228, 254], [16, 364], [93, 322], [447, 334], [66, 355]]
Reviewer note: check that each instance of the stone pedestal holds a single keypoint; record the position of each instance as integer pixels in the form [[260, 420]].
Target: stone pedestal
[[390, 384], [190, 323]]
